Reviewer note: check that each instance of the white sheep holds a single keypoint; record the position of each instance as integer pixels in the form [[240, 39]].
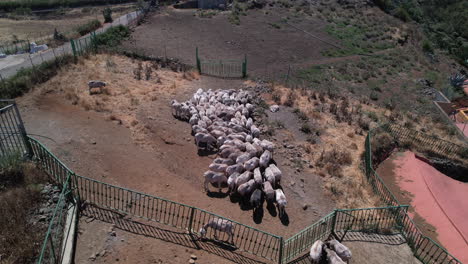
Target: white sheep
[[247, 188], [265, 158], [205, 141], [232, 182], [268, 145], [216, 167], [332, 257], [270, 176], [316, 251], [219, 225], [341, 250], [269, 192], [243, 178], [251, 164], [255, 131], [243, 158], [223, 161], [234, 168], [258, 176], [280, 201], [215, 178], [276, 173]]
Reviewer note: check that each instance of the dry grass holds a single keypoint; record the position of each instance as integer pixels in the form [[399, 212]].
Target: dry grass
[[18, 199], [123, 95]]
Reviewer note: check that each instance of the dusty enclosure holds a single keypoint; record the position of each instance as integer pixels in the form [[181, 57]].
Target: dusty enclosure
[[269, 44], [127, 136]]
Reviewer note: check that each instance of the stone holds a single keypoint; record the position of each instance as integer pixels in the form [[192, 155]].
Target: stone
[[112, 233], [191, 261], [93, 257], [274, 108], [305, 206], [102, 253], [42, 218], [193, 257]]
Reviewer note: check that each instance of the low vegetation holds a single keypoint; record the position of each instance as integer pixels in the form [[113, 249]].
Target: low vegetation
[[20, 187], [10, 5], [88, 27], [25, 79]]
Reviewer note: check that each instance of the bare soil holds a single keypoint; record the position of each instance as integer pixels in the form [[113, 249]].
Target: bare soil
[[270, 45]]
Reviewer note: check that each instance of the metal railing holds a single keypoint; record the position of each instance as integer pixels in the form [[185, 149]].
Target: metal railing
[[222, 68]]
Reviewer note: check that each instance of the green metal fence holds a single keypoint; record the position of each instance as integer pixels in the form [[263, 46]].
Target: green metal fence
[[424, 248], [84, 45], [222, 68], [12, 133]]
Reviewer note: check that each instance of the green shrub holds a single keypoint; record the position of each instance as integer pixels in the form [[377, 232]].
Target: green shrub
[[107, 13], [22, 11], [113, 36], [88, 27], [374, 96], [402, 14], [427, 46]]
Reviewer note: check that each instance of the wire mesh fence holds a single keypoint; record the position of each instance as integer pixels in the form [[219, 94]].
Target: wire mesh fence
[[12, 132], [222, 68]]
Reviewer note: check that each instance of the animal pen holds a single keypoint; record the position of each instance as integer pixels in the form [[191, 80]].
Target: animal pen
[[389, 222]]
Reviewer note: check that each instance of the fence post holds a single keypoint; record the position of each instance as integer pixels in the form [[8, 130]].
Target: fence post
[[198, 60], [244, 67], [280, 253], [192, 214], [72, 42]]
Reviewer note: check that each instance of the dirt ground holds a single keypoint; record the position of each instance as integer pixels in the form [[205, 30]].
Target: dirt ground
[[177, 32], [129, 138]]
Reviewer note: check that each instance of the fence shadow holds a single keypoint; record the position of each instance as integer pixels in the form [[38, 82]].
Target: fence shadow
[[182, 238]]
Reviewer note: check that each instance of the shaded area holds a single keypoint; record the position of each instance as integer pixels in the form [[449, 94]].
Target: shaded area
[[146, 228]]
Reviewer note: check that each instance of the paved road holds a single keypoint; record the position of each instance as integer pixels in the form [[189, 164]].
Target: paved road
[[10, 67]]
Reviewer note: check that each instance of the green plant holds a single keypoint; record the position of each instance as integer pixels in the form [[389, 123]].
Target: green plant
[[402, 14], [113, 36], [427, 46], [374, 96], [88, 27], [305, 128], [107, 13]]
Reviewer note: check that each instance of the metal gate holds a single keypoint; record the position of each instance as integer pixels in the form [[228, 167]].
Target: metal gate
[[12, 133], [222, 68]]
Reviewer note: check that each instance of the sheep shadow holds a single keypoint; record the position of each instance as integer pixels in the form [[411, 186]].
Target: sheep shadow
[[258, 215], [217, 194], [285, 219], [272, 209], [206, 152]]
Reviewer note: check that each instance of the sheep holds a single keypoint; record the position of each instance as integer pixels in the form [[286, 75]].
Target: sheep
[[216, 167], [258, 176], [232, 182], [225, 152], [280, 201], [332, 257], [265, 159], [243, 178], [219, 225], [276, 173], [255, 131], [247, 188], [256, 199], [316, 251], [223, 161], [267, 145], [205, 139], [341, 250], [270, 176], [234, 168], [243, 158], [251, 164], [215, 178], [269, 192]]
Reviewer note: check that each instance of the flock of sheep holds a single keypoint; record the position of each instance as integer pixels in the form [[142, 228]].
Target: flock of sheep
[[222, 121]]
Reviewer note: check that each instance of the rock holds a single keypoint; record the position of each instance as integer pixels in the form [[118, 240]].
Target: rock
[[93, 142], [92, 257], [44, 211], [305, 206], [112, 233], [274, 108], [193, 257], [55, 198], [191, 261], [102, 253], [96, 84], [42, 218], [292, 183]]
